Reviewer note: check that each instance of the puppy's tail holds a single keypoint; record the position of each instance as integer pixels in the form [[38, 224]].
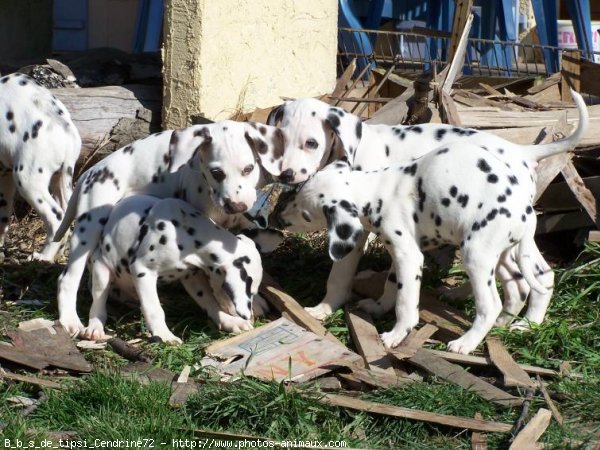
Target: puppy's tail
[[527, 257], [70, 212], [539, 152]]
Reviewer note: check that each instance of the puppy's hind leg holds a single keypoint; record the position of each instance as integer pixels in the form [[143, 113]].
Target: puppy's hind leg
[[7, 195], [386, 301], [198, 287], [481, 268], [514, 286]]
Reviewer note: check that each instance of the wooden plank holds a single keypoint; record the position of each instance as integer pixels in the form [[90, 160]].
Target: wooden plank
[[180, 392], [367, 341], [462, 15], [464, 19], [551, 223], [30, 380], [558, 197], [457, 375], [549, 168], [478, 439], [590, 77], [513, 374], [414, 341], [555, 412], [579, 189], [474, 360], [529, 435], [377, 377], [271, 291], [552, 80], [517, 119], [570, 71], [448, 110], [490, 90], [342, 84], [594, 236], [393, 112], [528, 134], [415, 414]]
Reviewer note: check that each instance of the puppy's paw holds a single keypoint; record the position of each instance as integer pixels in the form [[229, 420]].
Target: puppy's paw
[[371, 306], [94, 330], [260, 307], [167, 337], [393, 338], [320, 312], [72, 325], [234, 324], [463, 345], [521, 325], [503, 320]]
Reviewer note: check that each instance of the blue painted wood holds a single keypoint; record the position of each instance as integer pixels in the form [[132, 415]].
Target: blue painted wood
[[358, 41], [148, 27], [547, 28], [70, 29], [579, 10]]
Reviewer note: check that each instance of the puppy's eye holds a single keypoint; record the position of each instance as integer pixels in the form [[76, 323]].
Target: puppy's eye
[[311, 144], [217, 174], [248, 169]]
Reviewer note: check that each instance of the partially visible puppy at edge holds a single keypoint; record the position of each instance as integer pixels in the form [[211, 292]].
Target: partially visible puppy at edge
[[148, 240], [39, 146]]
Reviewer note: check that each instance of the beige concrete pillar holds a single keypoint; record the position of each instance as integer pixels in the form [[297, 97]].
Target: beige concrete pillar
[[223, 56]]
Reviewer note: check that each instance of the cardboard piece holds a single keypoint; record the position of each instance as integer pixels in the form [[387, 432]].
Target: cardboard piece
[[280, 350]]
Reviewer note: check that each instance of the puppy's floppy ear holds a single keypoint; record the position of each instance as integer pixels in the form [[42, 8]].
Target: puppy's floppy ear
[[267, 143], [348, 128], [185, 143], [343, 228], [276, 115]]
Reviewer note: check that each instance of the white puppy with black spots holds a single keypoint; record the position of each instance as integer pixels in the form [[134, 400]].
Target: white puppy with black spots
[[316, 134], [216, 168], [147, 240], [39, 146], [459, 194]]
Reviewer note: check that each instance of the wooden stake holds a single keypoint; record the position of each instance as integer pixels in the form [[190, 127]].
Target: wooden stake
[[555, 412], [529, 435], [415, 414], [513, 374], [367, 342]]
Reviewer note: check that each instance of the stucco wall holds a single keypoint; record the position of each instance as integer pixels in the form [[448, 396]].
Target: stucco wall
[[226, 55]]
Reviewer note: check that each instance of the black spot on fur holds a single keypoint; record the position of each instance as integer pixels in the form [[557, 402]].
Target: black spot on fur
[[446, 201], [439, 134], [483, 165], [492, 178]]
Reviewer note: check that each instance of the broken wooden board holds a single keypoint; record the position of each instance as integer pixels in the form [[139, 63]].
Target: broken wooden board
[[376, 377], [146, 373], [580, 190], [473, 360], [594, 236], [280, 350], [457, 375], [366, 340], [415, 414], [570, 71], [513, 374], [555, 412], [283, 302], [393, 112], [40, 348], [550, 223], [478, 439], [529, 435], [414, 341], [30, 380], [180, 392], [528, 134]]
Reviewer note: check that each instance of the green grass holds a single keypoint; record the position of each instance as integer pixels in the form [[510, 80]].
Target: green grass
[[105, 405]]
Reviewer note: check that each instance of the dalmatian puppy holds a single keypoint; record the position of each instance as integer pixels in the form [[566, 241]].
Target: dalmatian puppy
[[39, 146], [147, 240], [460, 194], [216, 168], [317, 134]]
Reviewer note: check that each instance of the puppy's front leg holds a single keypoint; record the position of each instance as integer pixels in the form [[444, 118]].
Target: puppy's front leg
[[339, 283], [198, 287], [408, 265], [101, 278], [144, 281]]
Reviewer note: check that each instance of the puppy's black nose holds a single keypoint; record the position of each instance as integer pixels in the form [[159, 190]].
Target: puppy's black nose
[[234, 207], [287, 176]]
